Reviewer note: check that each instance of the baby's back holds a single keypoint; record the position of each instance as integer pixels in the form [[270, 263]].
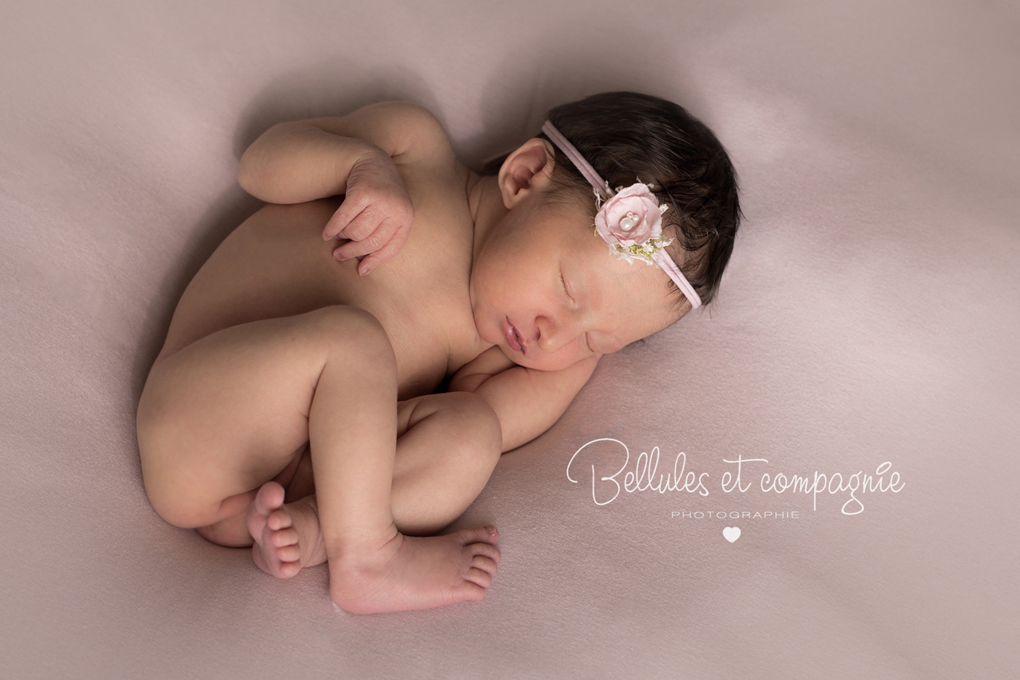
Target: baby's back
[[277, 264]]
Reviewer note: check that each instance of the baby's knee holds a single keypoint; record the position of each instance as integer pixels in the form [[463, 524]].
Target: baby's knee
[[169, 487], [172, 487], [479, 435], [178, 500], [354, 332], [175, 507]]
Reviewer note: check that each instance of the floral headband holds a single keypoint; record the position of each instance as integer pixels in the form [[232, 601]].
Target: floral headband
[[630, 219]]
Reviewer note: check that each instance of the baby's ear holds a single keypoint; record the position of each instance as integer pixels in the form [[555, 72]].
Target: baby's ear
[[526, 170]]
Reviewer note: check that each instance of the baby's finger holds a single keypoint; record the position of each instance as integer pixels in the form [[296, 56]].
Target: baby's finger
[[391, 248], [399, 234], [348, 211], [374, 242], [365, 226]]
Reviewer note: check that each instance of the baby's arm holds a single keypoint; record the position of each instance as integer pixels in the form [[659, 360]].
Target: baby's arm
[[305, 160], [358, 155], [526, 401]]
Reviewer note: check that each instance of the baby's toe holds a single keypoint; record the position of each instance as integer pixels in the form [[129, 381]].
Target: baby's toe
[[284, 537], [486, 549], [479, 534], [290, 553], [269, 498], [289, 569], [475, 584], [486, 564], [479, 577], [280, 519]]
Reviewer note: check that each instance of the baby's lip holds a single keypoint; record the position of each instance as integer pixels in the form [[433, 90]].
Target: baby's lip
[[520, 338], [509, 330]]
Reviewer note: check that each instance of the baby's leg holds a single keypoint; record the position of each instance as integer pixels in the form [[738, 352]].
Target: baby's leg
[[447, 446], [352, 430], [218, 417]]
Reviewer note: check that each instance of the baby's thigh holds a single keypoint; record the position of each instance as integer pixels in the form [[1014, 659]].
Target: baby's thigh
[[227, 413]]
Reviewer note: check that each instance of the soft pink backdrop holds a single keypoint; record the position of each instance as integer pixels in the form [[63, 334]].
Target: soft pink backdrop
[[869, 314]]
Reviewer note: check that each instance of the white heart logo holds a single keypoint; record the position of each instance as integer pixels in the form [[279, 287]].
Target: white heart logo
[[731, 533]]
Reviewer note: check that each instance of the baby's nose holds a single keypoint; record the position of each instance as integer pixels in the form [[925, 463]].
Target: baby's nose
[[553, 335]]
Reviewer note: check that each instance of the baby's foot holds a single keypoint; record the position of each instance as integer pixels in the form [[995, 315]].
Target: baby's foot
[[287, 537], [410, 572]]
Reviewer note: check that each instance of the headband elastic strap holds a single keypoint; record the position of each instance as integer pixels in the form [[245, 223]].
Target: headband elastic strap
[[576, 158], [660, 256]]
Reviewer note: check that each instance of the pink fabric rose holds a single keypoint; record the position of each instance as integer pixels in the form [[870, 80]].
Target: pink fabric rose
[[630, 217]]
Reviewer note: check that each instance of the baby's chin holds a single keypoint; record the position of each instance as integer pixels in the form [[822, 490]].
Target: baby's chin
[[546, 364]]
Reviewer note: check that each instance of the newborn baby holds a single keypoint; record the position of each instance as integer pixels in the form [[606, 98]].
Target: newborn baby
[[321, 413]]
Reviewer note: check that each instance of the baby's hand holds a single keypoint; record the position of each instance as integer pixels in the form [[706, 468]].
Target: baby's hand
[[376, 214]]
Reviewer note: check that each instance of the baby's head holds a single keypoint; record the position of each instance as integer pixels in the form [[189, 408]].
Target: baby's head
[[547, 230]]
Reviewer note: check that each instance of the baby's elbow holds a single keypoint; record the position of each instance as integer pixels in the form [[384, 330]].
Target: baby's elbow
[[253, 165], [247, 171]]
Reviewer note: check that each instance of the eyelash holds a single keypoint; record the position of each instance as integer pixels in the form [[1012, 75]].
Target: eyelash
[[564, 284]]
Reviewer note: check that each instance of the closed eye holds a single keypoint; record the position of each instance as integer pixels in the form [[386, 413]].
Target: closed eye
[[564, 284]]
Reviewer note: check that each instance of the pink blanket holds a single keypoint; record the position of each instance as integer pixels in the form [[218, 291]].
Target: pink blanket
[[858, 370]]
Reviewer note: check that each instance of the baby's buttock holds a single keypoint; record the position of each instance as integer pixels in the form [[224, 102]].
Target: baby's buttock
[[276, 264]]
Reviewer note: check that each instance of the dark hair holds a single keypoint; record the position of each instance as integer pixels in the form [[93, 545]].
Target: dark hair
[[625, 136]]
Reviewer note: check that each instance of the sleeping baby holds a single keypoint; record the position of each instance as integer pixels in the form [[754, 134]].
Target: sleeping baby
[[318, 412]]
